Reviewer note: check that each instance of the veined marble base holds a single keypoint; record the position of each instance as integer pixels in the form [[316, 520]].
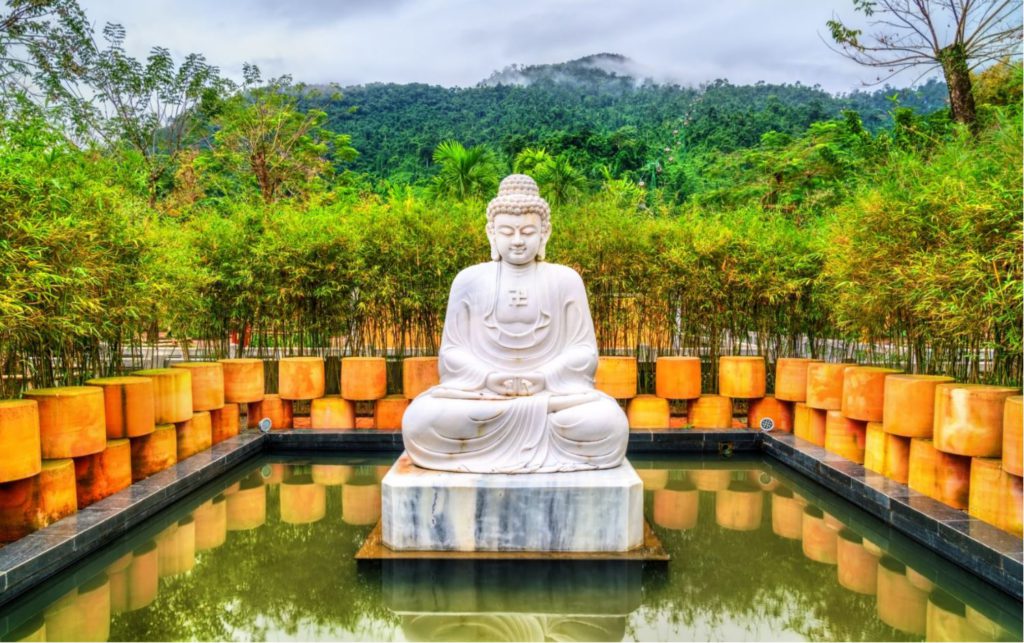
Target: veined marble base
[[580, 511]]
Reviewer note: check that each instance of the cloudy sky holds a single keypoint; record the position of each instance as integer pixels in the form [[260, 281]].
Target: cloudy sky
[[460, 42]]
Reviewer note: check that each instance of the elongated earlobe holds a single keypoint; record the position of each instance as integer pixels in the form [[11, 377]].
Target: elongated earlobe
[[495, 256]]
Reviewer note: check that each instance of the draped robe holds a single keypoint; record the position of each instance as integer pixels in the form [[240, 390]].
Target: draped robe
[[460, 425]]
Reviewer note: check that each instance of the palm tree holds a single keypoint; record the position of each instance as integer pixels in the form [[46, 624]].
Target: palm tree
[[532, 161], [561, 180], [465, 173]]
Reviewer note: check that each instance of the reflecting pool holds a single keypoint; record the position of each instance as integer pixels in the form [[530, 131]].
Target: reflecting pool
[[758, 553]]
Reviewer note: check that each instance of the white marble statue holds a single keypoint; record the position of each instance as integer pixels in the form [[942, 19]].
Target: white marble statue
[[517, 361]]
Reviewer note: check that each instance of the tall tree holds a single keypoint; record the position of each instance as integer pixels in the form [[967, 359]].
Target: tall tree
[[465, 172], [954, 35]]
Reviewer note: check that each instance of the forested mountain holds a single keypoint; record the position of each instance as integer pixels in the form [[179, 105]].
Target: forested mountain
[[595, 110]]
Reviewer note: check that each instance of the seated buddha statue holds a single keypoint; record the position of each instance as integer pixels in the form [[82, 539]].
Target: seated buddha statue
[[517, 360]]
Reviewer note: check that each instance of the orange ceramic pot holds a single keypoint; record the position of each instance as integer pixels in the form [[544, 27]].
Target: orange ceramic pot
[[648, 412], [207, 384], [271, 406], [303, 503], [143, 577], [129, 408], [908, 408], [943, 476], [863, 392], [787, 515], [791, 378], [874, 447], [105, 473], [901, 605], [33, 503], [897, 457], [741, 376], [857, 567], [360, 504], [739, 507], [172, 393], [616, 376], [995, 495], [653, 479], [331, 475], [388, 411], [677, 378], [809, 424], [117, 575], [224, 423], [194, 435], [364, 422], [300, 378], [819, 538], [1013, 428], [825, 385], [243, 380], [710, 412], [83, 614], [71, 421], [247, 508], [710, 479], [332, 412], [969, 418], [845, 437], [946, 620], [154, 452], [769, 408], [211, 520], [418, 375], [364, 378], [677, 508], [19, 440], [176, 548]]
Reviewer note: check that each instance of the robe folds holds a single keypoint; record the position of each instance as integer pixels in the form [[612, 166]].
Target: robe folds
[[460, 425]]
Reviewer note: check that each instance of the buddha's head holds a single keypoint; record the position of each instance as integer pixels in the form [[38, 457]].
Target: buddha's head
[[518, 221]]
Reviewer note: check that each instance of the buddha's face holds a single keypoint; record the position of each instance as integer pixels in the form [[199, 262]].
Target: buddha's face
[[517, 237]]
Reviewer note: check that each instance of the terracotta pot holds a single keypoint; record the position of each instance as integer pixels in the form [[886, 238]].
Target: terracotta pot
[[271, 406], [143, 580], [741, 376], [19, 440], [247, 508], [364, 378], [303, 504], [787, 515], [105, 473], [769, 408], [176, 548], [677, 378], [897, 457], [211, 519], [845, 437], [938, 475], [300, 378], [388, 412], [874, 447], [946, 620], [825, 385], [172, 393], [909, 405], [332, 412], [418, 375], [819, 539], [360, 504], [331, 475], [224, 423], [710, 412], [616, 376], [857, 567], [194, 436], [900, 604], [243, 380], [129, 408], [207, 384], [1013, 428], [653, 479], [648, 412], [791, 378], [82, 614], [710, 479], [739, 507], [35, 502], [154, 452], [809, 424], [676, 509], [863, 392], [969, 418], [71, 421], [995, 495]]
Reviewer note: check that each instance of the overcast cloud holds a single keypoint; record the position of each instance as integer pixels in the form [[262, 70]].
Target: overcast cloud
[[460, 42]]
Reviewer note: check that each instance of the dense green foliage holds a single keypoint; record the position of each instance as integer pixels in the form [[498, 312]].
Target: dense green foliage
[[706, 221]]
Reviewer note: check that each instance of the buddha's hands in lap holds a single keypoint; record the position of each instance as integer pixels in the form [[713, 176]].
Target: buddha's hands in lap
[[515, 385]]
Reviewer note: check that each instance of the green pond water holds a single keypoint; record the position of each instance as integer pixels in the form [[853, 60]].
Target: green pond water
[[758, 553]]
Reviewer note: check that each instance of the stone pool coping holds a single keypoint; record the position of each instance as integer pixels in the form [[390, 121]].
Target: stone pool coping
[[982, 549]]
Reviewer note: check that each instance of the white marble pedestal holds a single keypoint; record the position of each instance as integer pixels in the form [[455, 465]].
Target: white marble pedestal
[[582, 511]]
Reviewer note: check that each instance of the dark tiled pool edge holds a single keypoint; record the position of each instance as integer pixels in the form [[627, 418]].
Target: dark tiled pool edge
[[991, 554], [985, 551], [34, 558]]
